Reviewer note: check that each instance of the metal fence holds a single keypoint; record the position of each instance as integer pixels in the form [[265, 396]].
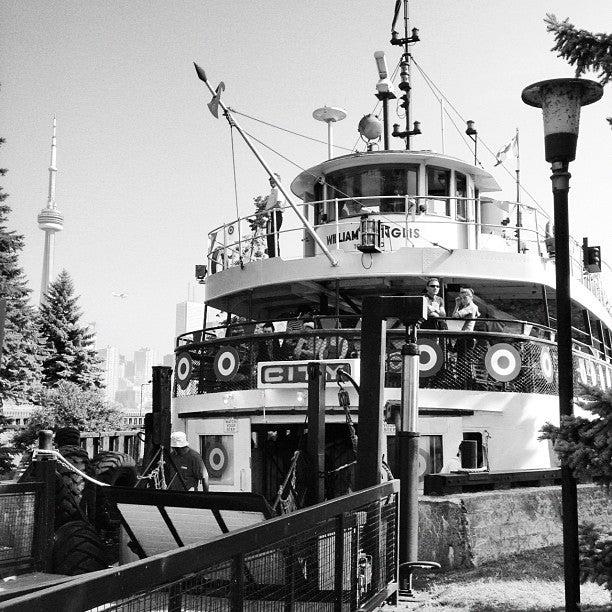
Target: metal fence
[[26, 521], [338, 555]]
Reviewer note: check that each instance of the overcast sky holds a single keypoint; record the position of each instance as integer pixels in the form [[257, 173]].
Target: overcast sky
[[144, 170]]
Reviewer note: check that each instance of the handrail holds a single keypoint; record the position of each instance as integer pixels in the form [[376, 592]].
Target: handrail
[[114, 584], [229, 248]]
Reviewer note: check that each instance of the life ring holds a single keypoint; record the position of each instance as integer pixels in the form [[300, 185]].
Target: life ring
[[424, 464], [216, 459], [226, 363], [431, 358], [184, 368], [546, 364], [503, 362], [394, 362]]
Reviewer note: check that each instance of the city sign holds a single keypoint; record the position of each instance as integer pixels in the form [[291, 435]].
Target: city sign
[[275, 374]]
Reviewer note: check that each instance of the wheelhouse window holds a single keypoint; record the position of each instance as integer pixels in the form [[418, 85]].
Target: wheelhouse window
[[438, 186], [363, 186], [461, 192]]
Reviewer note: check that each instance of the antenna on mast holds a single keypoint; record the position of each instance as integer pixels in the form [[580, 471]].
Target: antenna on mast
[[405, 72]]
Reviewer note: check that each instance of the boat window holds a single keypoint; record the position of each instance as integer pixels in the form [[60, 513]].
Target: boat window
[[461, 192], [438, 186], [369, 183]]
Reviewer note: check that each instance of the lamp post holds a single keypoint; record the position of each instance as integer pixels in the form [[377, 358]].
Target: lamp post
[[472, 132], [560, 101], [141, 386]]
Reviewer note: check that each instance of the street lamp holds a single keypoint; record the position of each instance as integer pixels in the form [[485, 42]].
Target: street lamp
[[141, 386], [560, 101]]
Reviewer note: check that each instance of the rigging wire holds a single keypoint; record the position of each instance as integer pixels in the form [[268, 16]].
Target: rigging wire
[[338, 191], [236, 193], [435, 89], [278, 127]]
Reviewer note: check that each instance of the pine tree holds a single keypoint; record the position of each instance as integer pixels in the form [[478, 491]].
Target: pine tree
[[585, 445], [71, 354], [21, 365], [583, 49]]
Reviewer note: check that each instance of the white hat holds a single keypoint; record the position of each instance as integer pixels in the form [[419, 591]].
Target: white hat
[[178, 439]]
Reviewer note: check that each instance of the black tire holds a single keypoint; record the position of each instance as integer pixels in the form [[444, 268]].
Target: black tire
[[84, 490], [77, 549], [116, 469], [68, 494]]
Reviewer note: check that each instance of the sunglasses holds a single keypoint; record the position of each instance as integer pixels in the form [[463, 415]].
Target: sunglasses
[[435, 286]]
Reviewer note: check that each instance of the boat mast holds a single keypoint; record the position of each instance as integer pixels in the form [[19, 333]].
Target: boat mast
[[214, 105], [405, 72]]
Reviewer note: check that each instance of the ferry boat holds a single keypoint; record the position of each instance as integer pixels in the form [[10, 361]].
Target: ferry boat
[[383, 222]]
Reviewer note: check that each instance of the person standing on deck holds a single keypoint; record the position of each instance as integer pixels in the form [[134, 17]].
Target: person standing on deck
[[466, 309], [190, 464], [435, 306], [275, 220]]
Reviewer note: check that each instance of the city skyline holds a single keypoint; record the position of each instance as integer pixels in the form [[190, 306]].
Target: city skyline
[[145, 172]]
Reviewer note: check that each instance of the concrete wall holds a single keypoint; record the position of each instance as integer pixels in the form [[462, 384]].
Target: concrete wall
[[469, 529]]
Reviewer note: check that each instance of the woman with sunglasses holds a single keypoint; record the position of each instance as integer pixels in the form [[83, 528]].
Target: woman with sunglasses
[[435, 306]]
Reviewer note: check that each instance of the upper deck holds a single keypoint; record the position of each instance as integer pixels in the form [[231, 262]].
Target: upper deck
[[431, 218]]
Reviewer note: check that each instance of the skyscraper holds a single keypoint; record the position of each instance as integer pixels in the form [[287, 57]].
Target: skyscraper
[[144, 360], [110, 368], [50, 220], [189, 317]]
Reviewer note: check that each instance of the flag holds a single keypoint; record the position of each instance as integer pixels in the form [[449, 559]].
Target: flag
[[213, 105], [511, 144]]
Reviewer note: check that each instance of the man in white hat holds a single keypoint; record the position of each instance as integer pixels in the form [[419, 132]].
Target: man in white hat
[[190, 464]]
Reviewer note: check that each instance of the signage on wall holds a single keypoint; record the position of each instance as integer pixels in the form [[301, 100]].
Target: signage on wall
[[275, 374], [395, 235]]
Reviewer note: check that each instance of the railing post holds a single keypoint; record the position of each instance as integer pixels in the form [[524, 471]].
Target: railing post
[[337, 225], [44, 472], [339, 562], [237, 584], [289, 579]]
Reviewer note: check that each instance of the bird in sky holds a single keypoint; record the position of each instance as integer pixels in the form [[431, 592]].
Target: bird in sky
[[121, 295]]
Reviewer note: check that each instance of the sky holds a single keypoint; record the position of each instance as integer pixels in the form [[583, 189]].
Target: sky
[[145, 171]]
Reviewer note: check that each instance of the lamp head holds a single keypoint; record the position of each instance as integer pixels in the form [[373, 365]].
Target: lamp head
[[471, 130], [370, 128], [560, 101]]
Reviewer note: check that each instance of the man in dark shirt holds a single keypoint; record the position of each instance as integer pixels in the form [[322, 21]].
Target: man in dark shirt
[[190, 464]]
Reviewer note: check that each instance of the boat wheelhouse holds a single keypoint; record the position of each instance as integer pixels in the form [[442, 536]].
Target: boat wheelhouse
[[391, 220]]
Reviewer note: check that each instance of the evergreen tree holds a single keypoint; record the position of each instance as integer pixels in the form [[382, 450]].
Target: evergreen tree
[[21, 364], [71, 354], [583, 49], [585, 445]]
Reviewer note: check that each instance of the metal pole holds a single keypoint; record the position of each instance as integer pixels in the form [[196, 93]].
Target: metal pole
[[315, 441], [301, 217], [330, 142], [385, 105], [560, 186], [408, 455]]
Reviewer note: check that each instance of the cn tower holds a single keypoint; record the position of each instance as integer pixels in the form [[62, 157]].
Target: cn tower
[[50, 220]]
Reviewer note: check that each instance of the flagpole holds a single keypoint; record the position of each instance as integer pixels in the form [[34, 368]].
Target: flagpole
[[519, 212], [217, 100]]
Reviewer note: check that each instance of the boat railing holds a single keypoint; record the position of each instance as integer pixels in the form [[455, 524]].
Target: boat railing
[[406, 221], [513, 356]]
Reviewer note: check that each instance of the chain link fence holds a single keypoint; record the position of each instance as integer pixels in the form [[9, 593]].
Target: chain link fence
[[338, 555]]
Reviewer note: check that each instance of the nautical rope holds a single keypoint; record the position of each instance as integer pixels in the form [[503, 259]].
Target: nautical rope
[[278, 127], [45, 454]]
